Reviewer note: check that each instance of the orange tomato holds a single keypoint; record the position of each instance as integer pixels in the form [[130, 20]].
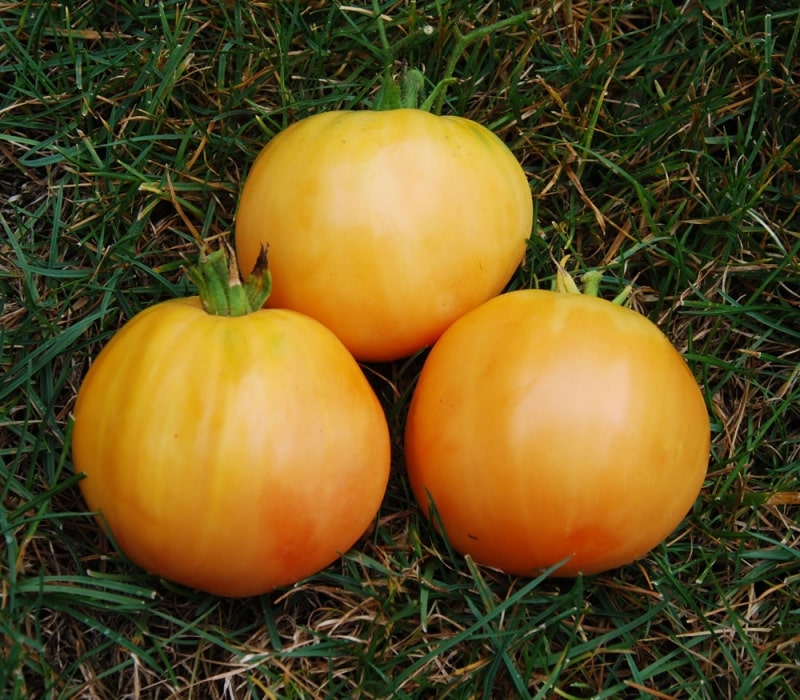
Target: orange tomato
[[230, 454], [386, 226], [549, 426]]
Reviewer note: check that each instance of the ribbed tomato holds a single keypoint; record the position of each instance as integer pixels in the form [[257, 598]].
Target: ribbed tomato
[[386, 226], [549, 426], [230, 454]]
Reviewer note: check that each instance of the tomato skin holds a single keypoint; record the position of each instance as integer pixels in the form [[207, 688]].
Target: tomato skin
[[548, 426], [385, 226], [230, 454]]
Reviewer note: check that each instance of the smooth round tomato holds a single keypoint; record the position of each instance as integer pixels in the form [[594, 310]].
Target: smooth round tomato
[[386, 226], [230, 454], [551, 426]]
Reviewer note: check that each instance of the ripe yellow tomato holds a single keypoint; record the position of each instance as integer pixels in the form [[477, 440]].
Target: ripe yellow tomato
[[230, 454], [549, 426], [386, 226]]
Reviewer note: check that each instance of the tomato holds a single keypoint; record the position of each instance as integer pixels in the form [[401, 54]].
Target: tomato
[[230, 454], [386, 226], [549, 426]]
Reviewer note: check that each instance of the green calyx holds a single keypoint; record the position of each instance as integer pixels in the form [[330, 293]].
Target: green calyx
[[565, 284], [406, 91], [220, 286]]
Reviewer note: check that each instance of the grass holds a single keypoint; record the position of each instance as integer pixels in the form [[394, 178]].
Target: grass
[[662, 142]]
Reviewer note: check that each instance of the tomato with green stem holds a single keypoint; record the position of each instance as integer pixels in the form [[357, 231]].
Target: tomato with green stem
[[551, 427], [227, 447], [387, 225]]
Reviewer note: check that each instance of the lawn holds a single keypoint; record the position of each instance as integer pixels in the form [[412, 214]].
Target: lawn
[[662, 144]]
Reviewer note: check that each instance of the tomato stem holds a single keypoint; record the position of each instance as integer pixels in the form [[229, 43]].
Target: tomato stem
[[591, 285], [565, 284], [220, 286], [388, 96], [399, 93], [411, 88], [591, 282]]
